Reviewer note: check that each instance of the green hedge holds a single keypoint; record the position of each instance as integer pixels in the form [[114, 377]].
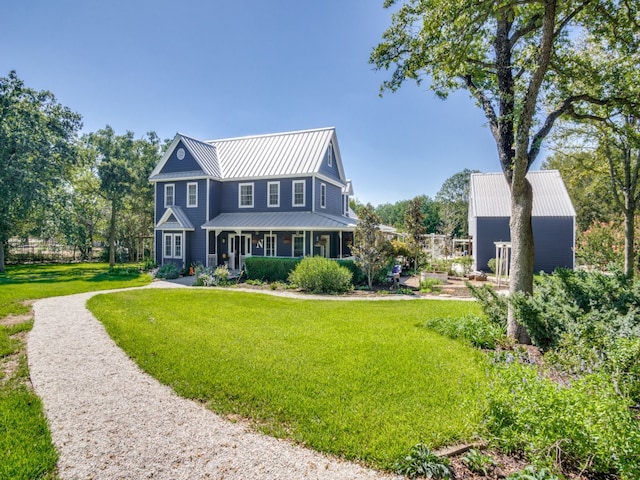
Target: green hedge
[[359, 277], [269, 269]]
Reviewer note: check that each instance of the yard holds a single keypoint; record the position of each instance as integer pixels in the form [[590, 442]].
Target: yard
[[26, 450], [363, 380]]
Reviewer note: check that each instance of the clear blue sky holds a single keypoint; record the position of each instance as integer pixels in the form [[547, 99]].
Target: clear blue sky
[[226, 68]]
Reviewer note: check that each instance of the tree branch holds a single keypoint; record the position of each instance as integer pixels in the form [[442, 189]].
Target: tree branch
[[486, 106]]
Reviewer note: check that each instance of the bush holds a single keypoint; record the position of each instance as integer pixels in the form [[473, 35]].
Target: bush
[[429, 285], [321, 275], [168, 271], [492, 264], [586, 426], [476, 330], [268, 269]]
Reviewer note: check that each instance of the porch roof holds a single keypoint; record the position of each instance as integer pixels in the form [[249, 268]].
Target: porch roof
[[174, 219], [280, 221]]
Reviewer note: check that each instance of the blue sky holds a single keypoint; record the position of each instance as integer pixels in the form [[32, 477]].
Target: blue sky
[[217, 69]]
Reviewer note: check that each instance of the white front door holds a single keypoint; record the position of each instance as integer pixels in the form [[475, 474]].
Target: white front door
[[239, 248], [325, 246]]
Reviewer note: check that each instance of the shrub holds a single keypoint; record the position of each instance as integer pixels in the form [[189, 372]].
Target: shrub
[[422, 462], [321, 275], [124, 271], [476, 330], [493, 305], [492, 264], [586, 426], [168, 271], [429, 285], [269, 269]]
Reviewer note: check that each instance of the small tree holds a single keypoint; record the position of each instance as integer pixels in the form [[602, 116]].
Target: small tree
[[370, 247]]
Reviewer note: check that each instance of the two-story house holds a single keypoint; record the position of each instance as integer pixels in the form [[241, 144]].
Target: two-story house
[[283, 195]]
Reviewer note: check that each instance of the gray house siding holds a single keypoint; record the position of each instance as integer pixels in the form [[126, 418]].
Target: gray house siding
[[334, 198], [215, 196], [552, 237], [329, 171], [229, 196], [187, 164]]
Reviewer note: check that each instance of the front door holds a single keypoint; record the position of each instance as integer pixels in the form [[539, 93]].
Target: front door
[[325, 246], [239, 248]]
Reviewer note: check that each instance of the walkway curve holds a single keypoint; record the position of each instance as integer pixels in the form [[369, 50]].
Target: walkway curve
[[110, 420]]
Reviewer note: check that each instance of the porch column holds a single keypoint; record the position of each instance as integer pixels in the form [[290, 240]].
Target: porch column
[[206, 258], [340, 235]]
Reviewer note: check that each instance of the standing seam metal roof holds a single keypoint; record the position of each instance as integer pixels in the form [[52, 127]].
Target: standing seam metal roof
[[289, 153], [490, 196], [204, 154]]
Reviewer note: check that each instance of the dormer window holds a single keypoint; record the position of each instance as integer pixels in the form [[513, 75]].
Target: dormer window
[[330, 155]]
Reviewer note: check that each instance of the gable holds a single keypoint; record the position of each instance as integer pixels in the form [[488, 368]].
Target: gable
[[176, 164], [186, 157], [489, 195]]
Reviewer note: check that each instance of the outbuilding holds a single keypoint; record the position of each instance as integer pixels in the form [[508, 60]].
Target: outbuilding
[[553, 219]]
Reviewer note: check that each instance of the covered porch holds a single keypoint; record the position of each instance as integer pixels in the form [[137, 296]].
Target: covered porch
[[233, 237]]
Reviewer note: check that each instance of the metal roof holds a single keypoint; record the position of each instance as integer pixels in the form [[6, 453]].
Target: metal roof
[[490, 196], [177, 175], [289, 153], [174, 219], [205, 154], [279, 221]]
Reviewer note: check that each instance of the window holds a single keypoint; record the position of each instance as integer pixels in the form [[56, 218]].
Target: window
[[172, 245], [169, 194], [345, 206], [298, 193], [192, 194], [245, 195], [270, 246], [330, 155], [298, 245], [273, 194], [323, 195]]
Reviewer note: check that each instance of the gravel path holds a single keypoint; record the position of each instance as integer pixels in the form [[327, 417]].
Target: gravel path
[[110, 420]]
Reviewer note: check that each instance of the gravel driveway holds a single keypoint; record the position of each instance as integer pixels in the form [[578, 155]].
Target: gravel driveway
[[110, 420]]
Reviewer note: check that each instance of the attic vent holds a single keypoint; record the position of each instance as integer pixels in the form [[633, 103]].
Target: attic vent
[[180, 153]]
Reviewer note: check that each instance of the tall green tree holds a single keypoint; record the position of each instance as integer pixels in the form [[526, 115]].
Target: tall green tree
[[453, 198], [37, 136], [370, 248], [510, 56], [114, 156], [415, 228]]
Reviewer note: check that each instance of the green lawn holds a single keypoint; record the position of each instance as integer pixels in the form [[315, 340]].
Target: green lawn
[[26, 451], [363, 380]]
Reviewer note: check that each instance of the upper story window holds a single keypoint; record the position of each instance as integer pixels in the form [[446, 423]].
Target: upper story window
[[345, 205], [273, 194], [192, 194], [323, 195], [245, 195], [330, 155], [298, 193], [169, 195]]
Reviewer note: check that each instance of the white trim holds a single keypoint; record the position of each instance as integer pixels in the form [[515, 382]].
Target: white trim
[[240, 185], [293, 244], [189, 205], [207, 201], [323, 195], [173, 195], [277, 204], [293, 193], [172, 245], [274, 238]]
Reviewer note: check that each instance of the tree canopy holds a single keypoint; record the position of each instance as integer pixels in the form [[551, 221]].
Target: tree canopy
[[512, 58], [37, 137]]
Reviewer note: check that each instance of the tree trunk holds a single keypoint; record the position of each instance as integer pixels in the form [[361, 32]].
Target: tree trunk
[[629, 238], [1, 256], [112, 235], [522, 252]]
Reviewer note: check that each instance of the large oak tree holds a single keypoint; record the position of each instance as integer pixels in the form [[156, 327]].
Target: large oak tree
[[509, 55], [37, 136]]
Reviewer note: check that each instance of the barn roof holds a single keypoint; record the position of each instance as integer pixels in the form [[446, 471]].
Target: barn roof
[[490, 197]]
